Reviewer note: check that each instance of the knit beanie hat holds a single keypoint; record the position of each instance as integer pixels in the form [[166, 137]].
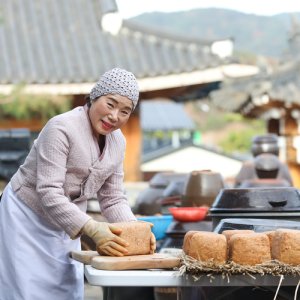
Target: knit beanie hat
[[117, 81]]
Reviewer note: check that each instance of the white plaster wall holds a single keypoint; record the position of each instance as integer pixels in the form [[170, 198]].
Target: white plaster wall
[[191, 159]]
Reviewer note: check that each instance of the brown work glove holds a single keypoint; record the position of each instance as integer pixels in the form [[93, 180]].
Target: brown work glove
[[152, 243], [106, 238], [152, 238]]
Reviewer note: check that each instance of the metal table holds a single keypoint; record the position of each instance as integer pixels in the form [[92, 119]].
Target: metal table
[[166, 278]]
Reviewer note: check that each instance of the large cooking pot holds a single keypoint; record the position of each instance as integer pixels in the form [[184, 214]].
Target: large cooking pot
[[271, 202]]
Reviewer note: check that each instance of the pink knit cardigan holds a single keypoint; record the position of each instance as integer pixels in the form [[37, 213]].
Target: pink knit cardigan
[[63, 170]]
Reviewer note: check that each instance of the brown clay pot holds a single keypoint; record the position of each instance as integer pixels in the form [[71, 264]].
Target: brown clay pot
[[201, 188]]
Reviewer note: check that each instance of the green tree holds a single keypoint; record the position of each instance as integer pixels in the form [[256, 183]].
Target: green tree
[[22, 106], [239, 141]]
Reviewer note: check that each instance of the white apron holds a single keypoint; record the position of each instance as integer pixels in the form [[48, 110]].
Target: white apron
[[34, 257]]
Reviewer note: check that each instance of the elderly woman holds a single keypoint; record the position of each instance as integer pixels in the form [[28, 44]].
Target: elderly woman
[[77, 155]]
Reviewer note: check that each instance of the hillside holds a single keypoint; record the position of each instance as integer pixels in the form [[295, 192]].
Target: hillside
[[260, 35], [228, 132]]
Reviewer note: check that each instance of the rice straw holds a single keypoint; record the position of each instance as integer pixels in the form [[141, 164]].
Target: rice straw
[[296, 290], [278, 287]]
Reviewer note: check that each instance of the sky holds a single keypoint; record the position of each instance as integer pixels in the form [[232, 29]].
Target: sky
[[131, 8]]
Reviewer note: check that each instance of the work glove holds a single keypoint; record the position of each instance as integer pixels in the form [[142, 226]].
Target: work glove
[[152, 243], [106, 238], [152, 238]]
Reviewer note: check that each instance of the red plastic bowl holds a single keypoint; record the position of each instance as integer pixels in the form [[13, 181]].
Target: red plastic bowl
[[189, 214]]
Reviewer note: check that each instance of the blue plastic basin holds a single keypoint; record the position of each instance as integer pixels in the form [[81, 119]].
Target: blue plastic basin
[[160, 224]]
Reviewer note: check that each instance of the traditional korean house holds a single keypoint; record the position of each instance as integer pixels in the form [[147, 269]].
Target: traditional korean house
[[164, 123], [61, 47], [189, 158], [273, 97]]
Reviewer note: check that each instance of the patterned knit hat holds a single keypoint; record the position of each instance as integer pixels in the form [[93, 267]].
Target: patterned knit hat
[[117, 81]]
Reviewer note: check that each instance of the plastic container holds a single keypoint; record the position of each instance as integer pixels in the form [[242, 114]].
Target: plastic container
[[160, 224], [189, 214]]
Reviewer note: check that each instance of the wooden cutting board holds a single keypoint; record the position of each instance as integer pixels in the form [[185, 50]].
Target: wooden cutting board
[[134, 262], [84, 256]]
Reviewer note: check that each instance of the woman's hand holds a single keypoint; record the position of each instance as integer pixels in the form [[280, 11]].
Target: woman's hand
[[106, 238]]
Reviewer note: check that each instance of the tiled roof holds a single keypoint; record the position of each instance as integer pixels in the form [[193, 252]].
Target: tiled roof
[[61, 41], [243, 95], [164, 115], [255, 95], [159, 153]]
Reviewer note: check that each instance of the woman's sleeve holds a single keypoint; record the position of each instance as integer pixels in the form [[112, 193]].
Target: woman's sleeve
[[53, 147], [112, 198]]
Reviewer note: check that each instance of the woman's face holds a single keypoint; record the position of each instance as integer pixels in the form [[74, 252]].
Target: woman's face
[[109, 112]]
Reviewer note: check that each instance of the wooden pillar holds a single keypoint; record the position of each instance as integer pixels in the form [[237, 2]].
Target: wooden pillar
[[292, 162], [291, 132], [295, 173], [288, 128], [33, 124], [133, 133]]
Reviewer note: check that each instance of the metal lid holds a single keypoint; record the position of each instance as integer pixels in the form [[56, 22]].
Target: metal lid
[[257, 199], [163, 179]]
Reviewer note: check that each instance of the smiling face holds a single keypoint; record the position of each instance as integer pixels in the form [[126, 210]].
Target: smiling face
[[109, 112]]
